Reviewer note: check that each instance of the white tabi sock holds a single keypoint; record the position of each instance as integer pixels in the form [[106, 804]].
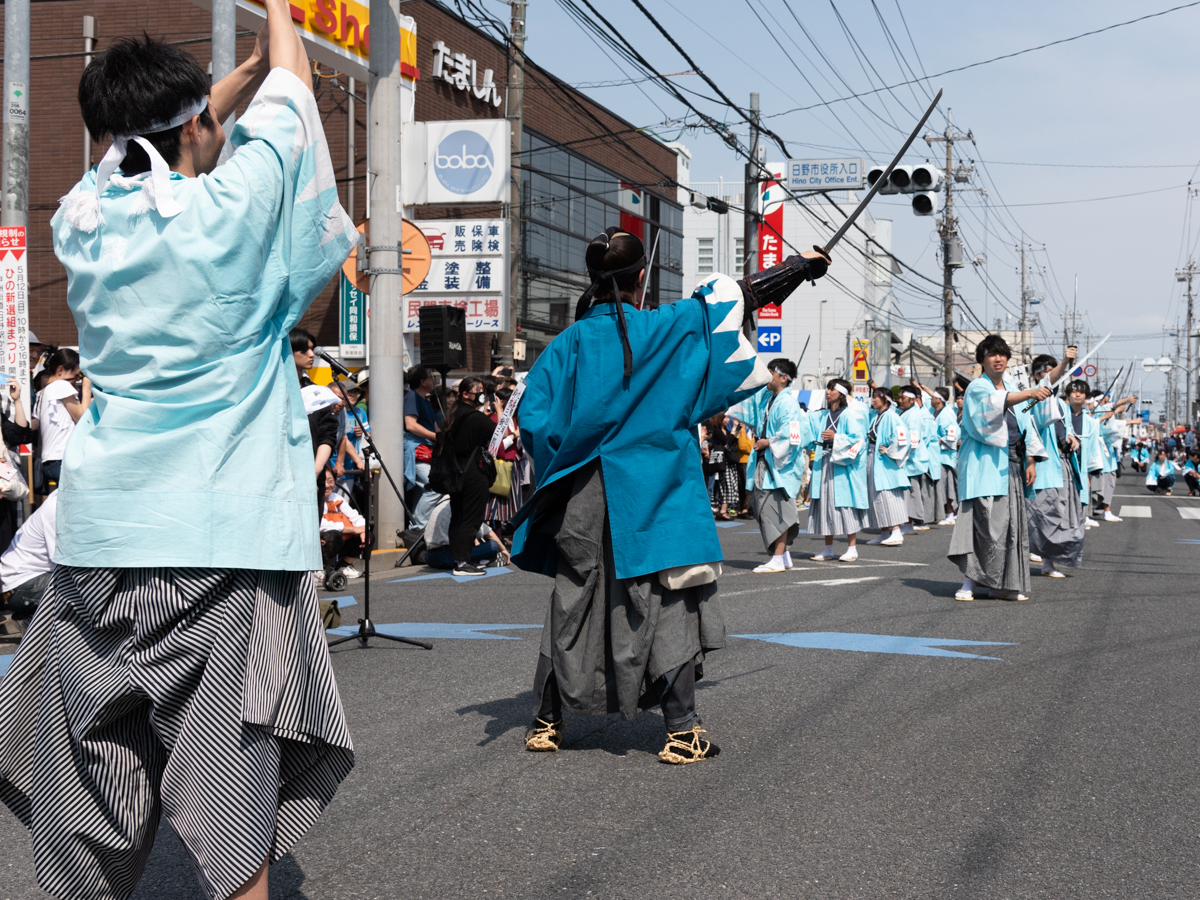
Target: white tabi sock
[[968, 585], [787, 558]]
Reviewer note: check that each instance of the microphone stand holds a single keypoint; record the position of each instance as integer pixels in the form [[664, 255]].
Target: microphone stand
[[366, 628]]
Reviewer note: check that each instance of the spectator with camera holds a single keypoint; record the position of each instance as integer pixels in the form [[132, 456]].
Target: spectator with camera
[[487, 546], [463, 468], [59, 407]]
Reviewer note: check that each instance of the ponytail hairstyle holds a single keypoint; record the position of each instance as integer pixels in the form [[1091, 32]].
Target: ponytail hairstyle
[[614, 260], [63, 358]]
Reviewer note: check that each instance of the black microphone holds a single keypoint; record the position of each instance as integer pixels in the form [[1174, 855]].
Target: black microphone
[[334, 364]]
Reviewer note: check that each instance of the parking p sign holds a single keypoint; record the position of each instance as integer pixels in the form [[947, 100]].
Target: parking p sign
[[770, 338]]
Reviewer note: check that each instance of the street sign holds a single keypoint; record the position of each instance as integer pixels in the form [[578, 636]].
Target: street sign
[[13, 259], [825, 174], [770, 311], [1145, 415], [859, 371], [1089, 371], [352, 333], [468, 269], [1149, 364], [1164, 364], [770, 338]]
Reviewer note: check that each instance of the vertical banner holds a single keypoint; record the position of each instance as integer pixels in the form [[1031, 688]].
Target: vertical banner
[[770, 229], [16, 311], [352, 333]]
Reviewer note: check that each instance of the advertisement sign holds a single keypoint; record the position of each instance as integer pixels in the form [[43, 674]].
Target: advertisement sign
[[859, 370], [825, 174], [770, 229], [352, 333], [335, 32], [16, 310], [1145, 415], [468, 269], [770, 338], [464, 161]]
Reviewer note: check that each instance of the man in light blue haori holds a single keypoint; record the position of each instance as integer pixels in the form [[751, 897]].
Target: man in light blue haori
[[887, 481], [839, 481], [996, 471], [177, 666]]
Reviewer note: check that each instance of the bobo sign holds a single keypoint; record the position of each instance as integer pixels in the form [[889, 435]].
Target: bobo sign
[[464, 162]]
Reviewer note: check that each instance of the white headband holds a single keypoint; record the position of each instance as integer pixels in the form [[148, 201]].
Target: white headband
[[841, 389], [162, 199]]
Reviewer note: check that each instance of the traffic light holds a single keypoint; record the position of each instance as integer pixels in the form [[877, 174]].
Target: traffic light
[[925, 204], [922, 180]]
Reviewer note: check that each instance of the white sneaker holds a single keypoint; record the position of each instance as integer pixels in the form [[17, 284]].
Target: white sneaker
[[850, 555], [351, 572], [1109, 517], [1033, 557], [769, 568], [949, 520], [824, 555], [895, 540]]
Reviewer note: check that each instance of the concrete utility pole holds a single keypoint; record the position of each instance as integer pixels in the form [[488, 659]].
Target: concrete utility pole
[[384, 111], [15, 211], [89, 44], [224, 56], [1024, 300], [351, 148], [1187, 273], [951, 248], [750, 220], [516, 120]]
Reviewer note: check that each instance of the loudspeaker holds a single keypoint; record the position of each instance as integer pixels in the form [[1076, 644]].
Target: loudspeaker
[[443, 337]]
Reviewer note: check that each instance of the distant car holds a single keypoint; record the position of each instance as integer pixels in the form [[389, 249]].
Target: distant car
[[437, 240]]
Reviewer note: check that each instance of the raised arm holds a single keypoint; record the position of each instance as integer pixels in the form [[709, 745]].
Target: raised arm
[[239, 86], [285, 49]]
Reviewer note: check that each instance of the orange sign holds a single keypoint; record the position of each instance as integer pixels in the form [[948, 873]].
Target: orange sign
[[860, 371], [416, 263]]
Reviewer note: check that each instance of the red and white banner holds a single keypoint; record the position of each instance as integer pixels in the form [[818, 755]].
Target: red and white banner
[[633, 210], [15, 365], [770, 229]]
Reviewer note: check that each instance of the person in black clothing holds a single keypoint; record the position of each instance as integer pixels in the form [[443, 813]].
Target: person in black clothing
[[323, 423], [466, 435], [720, 459]]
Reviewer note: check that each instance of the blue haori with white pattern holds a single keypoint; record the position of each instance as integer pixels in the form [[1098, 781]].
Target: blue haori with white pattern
[[876, 643]]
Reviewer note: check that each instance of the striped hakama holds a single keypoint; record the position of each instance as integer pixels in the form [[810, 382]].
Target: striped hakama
[[947, 489], [203, 694], [921, 498], [888, 508], [824, 518], [990, 543], [1056, 521]]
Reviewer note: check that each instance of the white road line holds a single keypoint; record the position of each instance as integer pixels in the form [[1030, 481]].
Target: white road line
[[1148, 495], [802, 584], [1189, 513], [1134, 512]]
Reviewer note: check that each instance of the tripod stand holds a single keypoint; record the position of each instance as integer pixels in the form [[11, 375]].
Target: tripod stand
[[366, 628]]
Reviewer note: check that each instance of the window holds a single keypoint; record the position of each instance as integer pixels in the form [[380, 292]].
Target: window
[[704, 262], [739, 253]]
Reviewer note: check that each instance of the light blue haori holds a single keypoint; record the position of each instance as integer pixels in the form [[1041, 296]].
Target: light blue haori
[[983, 459], [947, 433], [196, 451], [849, 456], [917, 461], [891, 451], [929, 435], [782, 422], [690, 361], [1050, 473]]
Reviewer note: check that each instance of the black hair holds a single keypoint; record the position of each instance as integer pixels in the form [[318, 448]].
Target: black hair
[[416, 375], [993, 343], [883, 394], [1096, 393], [300, 339], [913, 392], [63, 358], [943, 392], [1078, 385], [135, 84], [784, 365], [1043, 361], [834, 382], [610, 252]]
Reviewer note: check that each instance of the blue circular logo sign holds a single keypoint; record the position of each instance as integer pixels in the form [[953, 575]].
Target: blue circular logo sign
[[463, 162]]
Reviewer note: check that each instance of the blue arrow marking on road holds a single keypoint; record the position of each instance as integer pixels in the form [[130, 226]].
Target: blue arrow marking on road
[[439, 630], [875, 643], [1187, 542], [461, 579]]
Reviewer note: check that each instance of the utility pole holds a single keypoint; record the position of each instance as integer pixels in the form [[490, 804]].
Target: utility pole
[[750, 220], [384, 111], [516, 119], [351, 148], [1024, 302], [224, 56], [951, 248], [1187, 273], [1175, 381], [89, 44], [15, 211]]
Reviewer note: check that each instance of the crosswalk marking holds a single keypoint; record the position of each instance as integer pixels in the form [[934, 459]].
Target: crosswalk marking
[[1189, 512], [1134, 512]]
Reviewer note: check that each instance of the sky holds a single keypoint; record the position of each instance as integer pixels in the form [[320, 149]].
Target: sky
[[1110, 114]]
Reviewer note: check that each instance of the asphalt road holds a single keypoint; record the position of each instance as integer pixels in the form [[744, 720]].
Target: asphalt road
[[1062, 766]]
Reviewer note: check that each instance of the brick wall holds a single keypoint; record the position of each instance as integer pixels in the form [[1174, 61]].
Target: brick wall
[[57, 134]]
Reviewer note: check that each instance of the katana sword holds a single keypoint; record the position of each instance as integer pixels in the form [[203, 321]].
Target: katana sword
[[880, 182], [1066, 375]]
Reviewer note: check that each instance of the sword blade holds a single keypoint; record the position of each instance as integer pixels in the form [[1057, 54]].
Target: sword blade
[[1067, 375], [883, 179]]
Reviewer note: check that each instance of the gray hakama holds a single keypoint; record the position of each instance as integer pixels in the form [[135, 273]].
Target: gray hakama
[[1108, 486], [824, 518], [774, 509], [612, 641], [947, 489], [1056, 523], [205, 695], [888, 508], [990, 543], [922, 496]]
